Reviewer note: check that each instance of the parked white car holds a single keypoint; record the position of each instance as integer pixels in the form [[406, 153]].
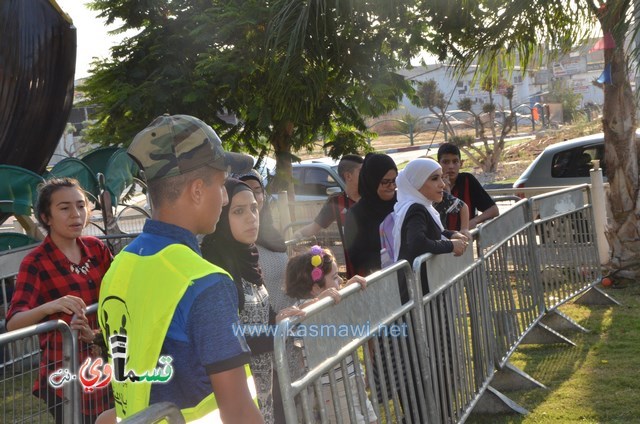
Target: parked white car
[[565, 163], [315, 179]]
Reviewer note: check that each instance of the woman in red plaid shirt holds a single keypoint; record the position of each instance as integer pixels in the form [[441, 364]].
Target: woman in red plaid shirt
[[57, 280]]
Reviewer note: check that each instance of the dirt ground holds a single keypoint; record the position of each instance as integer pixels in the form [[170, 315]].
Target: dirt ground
[[515, 158]]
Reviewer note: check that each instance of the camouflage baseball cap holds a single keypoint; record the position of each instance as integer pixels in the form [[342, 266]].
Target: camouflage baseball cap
[[176, 144]]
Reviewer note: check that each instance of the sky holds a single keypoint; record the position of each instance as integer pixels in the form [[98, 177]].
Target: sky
[[92, 34]]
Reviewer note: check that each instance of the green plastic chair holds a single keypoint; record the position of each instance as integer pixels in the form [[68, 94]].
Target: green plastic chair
[[98, 159], [18, 189], [10, 241], [119, 174], [75, 168]]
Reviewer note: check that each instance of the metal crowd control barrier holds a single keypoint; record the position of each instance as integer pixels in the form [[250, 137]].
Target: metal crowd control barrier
[[569, 264], [458, 340], [382, 348], [9, 265], [20, 353], [473, 312], [434, 357], [295, 246], [21, 367], [506, 246], [105, 400]]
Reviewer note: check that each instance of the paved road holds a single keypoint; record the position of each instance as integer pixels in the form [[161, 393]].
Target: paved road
[[400, 157]]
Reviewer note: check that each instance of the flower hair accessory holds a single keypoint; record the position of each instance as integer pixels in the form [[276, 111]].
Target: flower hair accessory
[[316, 260]]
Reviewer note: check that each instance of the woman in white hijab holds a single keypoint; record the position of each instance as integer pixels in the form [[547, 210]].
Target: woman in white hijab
[[418, 229]]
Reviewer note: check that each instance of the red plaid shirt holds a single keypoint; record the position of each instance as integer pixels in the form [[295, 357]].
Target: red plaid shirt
[[46, 275]]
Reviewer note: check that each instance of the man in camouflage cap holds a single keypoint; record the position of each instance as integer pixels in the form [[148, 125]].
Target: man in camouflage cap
[[177, 304], [175, 145]]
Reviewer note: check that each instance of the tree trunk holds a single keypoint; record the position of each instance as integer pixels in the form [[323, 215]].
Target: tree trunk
[[281, 142], [621, 159], [498, 144]]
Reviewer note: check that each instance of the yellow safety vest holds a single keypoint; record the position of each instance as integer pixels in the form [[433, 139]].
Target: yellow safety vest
[[138, 297]]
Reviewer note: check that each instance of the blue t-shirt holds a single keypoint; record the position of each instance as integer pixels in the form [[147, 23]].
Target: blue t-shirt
[[201, 337]]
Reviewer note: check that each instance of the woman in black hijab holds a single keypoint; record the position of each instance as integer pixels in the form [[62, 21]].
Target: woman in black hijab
[[271, 246], [232, 247], [376, 185], [273, 260]]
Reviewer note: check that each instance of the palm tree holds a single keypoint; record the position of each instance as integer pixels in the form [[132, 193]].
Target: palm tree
[[520, 29]]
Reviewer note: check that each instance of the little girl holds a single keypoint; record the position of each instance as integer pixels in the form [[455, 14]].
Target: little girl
[[310, 277]]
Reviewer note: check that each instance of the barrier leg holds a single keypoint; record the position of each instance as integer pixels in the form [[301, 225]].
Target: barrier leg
[[595, 296], [541, 334], [512, 378], [494, 402], [561, 322]]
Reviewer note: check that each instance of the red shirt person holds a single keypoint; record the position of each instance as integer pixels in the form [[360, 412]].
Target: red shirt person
[[465, 187], [57, 280]]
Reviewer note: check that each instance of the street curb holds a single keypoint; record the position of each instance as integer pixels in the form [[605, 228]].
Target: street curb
[[411, 148]]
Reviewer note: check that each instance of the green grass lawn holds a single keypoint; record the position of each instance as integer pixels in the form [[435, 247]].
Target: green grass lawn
[[597, 381]]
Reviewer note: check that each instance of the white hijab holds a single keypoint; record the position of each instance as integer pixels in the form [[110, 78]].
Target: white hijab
[[409, 180]]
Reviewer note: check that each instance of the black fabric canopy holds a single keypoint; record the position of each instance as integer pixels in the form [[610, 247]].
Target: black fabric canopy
[[37, 68]]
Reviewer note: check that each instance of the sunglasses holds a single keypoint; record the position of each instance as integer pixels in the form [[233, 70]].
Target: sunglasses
[[388, 182]]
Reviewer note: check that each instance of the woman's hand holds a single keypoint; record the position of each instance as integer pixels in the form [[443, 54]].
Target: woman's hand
[[467, 234], [460, 236], [85, 332], [459, 246], [359, 280], [291, 311], [69, 304]]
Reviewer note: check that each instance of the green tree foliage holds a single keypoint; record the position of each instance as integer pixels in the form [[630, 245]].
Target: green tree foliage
[[290, 71], [487, 156], [430, 96], [343, 139]]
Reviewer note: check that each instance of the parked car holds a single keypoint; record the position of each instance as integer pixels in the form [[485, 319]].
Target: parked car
[[564, 163], [432, 122], [315, 179]]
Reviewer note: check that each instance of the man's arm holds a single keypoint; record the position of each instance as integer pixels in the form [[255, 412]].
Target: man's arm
[[308, 230], [324, 218], [464, 220], [481, 201], [492, 212], [220, 347], [233, 397]]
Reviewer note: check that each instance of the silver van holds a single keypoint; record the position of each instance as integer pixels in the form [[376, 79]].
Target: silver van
[[565, 163]]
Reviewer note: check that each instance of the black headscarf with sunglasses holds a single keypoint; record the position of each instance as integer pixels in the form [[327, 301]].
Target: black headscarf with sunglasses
[[373, 170], [361, 231]]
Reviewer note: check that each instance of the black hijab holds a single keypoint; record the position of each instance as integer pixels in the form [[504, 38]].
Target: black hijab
[[222, 249], [268, 236], [374, 168]]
